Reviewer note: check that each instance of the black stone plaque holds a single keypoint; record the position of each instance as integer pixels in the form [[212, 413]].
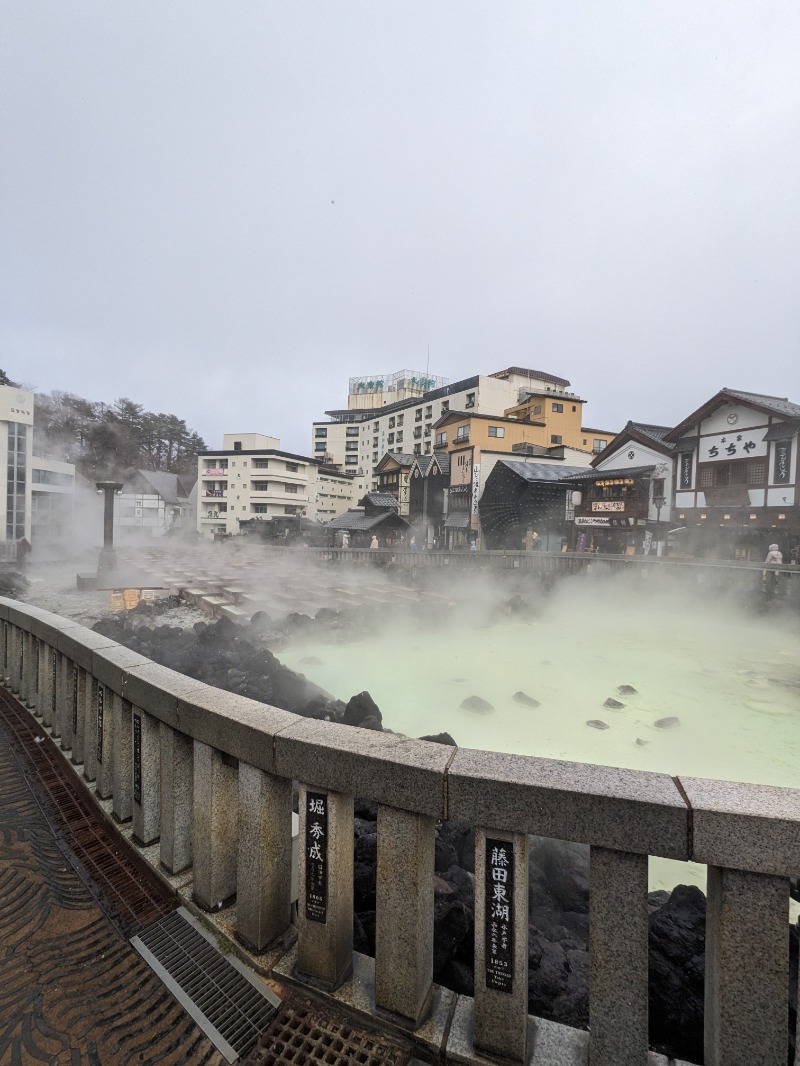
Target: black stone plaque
[[316, 844], [5, 646], [100, 698], [783, 461], [36, 665], [54, 684], [686, 470], [499, 913], [137, 759], [74, 699]]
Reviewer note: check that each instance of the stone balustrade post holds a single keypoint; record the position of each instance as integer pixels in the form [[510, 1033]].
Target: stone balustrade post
[[15, 659], [325, 905], [501, 944], [215, 826], [404, 914], [146, 794], [50, 686], [104, 746], [618, 959], [81, 697], [69, 677], [26, 687], [264, 867], [122, 758], [747, 968], [90, 736], [5, 642], [177, 789], [62, 699]]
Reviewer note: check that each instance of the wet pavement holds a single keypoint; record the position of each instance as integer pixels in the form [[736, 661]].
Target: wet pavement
[[73, 992]]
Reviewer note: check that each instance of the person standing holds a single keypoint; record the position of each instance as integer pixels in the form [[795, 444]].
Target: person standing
[[374, 542]]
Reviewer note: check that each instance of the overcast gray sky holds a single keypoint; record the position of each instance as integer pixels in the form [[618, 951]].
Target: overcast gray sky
[[225, 210]]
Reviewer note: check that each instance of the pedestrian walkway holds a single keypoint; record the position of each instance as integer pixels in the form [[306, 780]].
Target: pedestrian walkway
[[73, 991]]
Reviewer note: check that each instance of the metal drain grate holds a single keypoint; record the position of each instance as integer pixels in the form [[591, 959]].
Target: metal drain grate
[[303, 1033], [216, 990]]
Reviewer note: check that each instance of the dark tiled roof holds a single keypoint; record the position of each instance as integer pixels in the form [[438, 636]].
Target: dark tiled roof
[[779, 405], [773, 405], [381, 499], [356, 521], [523, 372], [597, 475], [658, 433], [545, 471], [457, 520], [782, 430]]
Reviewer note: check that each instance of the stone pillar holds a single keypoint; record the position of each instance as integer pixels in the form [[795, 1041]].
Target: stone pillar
[[15, 659], [177, 788], [404, 914], [5, 639], [81, 697], [264, 870], [105, 742], [69, 715], [122, 763], [50, 688], [90, 738], [146, 778], [40, 652], [325, 899], [618, 962], [61, 702], [747, 968], [216, 823], [26, 676], [501, 944]]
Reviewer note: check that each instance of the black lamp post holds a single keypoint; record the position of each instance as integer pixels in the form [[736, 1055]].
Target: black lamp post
[[108, 560], [658, 503]]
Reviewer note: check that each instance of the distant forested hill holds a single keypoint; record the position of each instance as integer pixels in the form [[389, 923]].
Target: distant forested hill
[[110, 440]]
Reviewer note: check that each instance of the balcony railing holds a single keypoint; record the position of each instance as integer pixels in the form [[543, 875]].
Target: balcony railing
[[212, 785]]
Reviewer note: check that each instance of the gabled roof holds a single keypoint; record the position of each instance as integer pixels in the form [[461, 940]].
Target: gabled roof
[[771, 405], [167, 486], [521, 371], [423, 463], [382, 500], [357, 521], [783, 430], [403, 459], [642, 433]]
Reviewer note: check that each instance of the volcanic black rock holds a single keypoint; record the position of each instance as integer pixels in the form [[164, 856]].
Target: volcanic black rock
[[475, 703], [611, 702], [360, 707], [595, 723], [667, 723], [525, 699]]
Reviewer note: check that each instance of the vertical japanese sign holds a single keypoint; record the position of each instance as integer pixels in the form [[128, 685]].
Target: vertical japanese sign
[[783, 457], [37, 664], [316, 845], [100, 700], [74, 699], [6, 635], [54, 684], [686, 470], [137, 759], [499, 904]]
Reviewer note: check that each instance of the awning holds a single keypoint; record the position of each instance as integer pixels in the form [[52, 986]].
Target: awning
[[457, 520]]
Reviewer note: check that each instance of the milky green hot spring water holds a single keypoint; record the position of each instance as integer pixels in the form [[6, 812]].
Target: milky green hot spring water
[[732, 681]]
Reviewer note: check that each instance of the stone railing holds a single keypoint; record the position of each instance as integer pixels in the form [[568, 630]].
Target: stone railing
[[209, 776]]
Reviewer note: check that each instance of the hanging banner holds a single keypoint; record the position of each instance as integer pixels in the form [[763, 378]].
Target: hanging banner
[[783, 461], [686, 470]]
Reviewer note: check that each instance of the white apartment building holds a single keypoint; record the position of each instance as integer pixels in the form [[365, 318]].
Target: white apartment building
[[39, 490], [378, 420], [250, 477]]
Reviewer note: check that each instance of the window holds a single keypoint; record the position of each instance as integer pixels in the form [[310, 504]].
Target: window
[[290, 488], [351, 446], [391, 422], [244, 463], [658, 488], [598, 445], [260, 486], [441, 440], [445, 406], [427, 447], [574, 408], [400, 437], [497, 431], [374, 442], [417, 449], [292, 468], [320, 446], [428, 411], [399, 420], [470, 401], [558, 408], [351, 431], [537, 409], [391, 438], [260, 508], [735, 472], [585, 442], [237, 445], [261, 464], [418, 415], [350, 460], [555, 438], [463, 433], [374, 457], [321, 432], [290, 510], [417, 432], [428, 429]]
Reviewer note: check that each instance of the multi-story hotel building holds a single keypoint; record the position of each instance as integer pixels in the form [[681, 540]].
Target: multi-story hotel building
[[403, 418], [250, 477]]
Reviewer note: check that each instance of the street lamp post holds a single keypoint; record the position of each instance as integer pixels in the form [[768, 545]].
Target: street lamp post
[[658, 503], [108, 560]]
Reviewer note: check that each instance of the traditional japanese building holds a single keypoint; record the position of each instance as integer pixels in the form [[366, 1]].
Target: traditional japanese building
[[526, 497], [429, 482], [736, 476]]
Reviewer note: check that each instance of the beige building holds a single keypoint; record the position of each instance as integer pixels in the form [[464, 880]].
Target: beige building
[[402, 419], [250, 477]]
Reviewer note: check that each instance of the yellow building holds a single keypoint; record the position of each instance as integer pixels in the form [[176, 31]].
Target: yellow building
[[558, 420]]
